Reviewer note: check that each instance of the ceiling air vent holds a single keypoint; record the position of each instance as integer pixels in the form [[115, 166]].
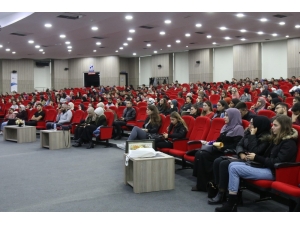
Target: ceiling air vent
[[98, 37], [192, 43], [146, 27], [279, 16], [101, 47], [19, 34], [70, 16], [199, 32], [238, 36]]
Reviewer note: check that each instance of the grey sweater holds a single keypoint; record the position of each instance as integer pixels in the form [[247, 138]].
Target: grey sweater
[[64, 117]]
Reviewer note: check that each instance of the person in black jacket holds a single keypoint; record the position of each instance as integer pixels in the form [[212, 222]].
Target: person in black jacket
[[283, 148], [195, 111], [151, 126], [163, 107], [246, 114], [173, 106], [254, 140], [177, 129], [129, 113], [187, 106], [231, 133]]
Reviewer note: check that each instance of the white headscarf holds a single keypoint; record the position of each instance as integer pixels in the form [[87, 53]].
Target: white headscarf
[[99, 111]]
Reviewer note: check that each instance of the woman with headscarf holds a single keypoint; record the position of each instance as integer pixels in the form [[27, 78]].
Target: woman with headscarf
[[260, 105], [90, 119], [231, 133], [254, 140], [233, 102], [271, 96], [71, 106], [265, 91], [173, 106], [245, 97]]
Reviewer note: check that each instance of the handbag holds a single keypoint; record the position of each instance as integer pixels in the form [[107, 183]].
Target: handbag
[[154, 136]]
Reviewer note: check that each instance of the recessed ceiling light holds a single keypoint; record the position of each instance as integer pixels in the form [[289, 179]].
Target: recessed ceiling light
[[94, 50], [287, 36], [125, 44], [117, 51], [30, 41], [240, 15], [168, 21], [162, 33], [13, 52], [128, 17], [69, 47], [274, 34], [37, 46], [67, 42], [177, 41], [48, 25], [281, 23], [94, 28], [297, 26], [168, 46], [98, 43], [260, 32], [1, 46], [131, 30], [148, 45], [7, 49], [198, 25], [41, 50], [134, 53], [208, 36], [121, 48], [69, 50], [227, 38], [243, 39], [214, 43], [243, 30], [187, 35], [161, 49], [129, 39], [62, 36], [263, 20], [187, 46], [155, 52], [223, 28]]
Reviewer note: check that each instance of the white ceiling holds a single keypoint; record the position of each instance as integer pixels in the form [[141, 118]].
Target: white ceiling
[[114, 28]]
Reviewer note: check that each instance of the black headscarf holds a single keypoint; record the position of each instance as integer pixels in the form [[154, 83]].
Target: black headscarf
[[275, 100], [273, 95], [262, 123]]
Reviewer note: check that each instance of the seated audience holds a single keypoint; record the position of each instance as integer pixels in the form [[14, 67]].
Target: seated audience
[[163, 106], [260, 105], [22, 115], [10, 115], [177, 129], [173, 106], [200, 101], [273, 103], [246, 114], [231, 133], [281, 108], [187, 106], [245, 97], [63, 117], [128, 114], [283, 148], [96, 119], [38, 116], [254, 140], [233, 102], [195, 111], [296, 113], [207, 110], [151, 126], [221, 107]]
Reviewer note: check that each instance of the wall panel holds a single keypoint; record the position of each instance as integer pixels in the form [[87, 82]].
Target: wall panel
[[204, 70], [223, 64], [162, 60], [133, 72], [293, 57], [60, 76], [145, 70], [247, 61], [181, 72]]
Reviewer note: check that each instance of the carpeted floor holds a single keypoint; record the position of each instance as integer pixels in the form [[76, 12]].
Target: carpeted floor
[[34, 179]]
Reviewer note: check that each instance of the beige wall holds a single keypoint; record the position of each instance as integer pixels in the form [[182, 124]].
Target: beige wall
[[162, 60], [293, 60], [204, 70], [59, 76], [1, 88], [133, 72], [247, 61], [25, 70]]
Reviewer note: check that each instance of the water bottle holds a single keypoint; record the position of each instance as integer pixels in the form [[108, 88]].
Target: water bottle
[[54, 126]]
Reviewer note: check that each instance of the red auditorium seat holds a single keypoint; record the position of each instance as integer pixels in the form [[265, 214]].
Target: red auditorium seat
[[76, 118], [268, 113], [214, 99], [106, 131], [50, 116]]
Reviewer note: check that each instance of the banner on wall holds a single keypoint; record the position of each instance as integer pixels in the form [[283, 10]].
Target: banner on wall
[[14, 82]]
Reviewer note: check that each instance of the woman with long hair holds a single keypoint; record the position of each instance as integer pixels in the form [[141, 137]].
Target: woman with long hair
[[282, 148], [230, 135], [195, 111], [151, 126], [163, 106], [207, 110], [255, 140], [221, 107], [177, 129]]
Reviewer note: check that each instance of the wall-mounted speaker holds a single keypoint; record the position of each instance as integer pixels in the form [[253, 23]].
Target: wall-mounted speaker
[[14, 71], [159, 66], [66, 69], [198, 62]]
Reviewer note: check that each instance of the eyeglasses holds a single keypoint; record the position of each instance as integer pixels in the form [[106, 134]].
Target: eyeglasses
[[277, 108]]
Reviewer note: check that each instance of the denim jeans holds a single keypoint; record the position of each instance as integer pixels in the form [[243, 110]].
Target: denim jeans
[[137, 134], [239, 170], [3, 124]]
